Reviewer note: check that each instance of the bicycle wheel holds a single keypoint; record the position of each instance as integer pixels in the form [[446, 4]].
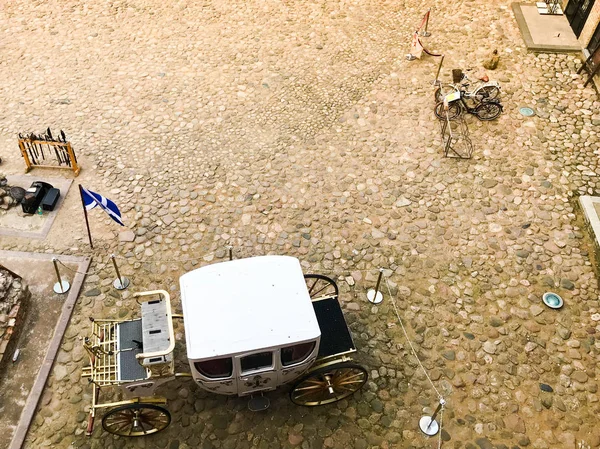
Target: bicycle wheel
[[489, 92], [453, 112], [488, 111], [442, 91]]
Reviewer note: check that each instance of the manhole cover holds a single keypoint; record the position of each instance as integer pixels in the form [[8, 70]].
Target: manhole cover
[[552, 300], [527, 112], [17, 193]]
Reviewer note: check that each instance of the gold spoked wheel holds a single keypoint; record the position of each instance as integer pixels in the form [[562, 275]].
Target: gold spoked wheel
[[329, 384], [320, 287], [136, 420]]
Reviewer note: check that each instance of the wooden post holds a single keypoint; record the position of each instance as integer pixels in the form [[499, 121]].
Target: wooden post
[[87, 223], [74, 165], [25, 155]]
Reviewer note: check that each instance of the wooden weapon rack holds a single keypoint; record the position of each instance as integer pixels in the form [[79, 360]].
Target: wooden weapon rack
[[57, 154]]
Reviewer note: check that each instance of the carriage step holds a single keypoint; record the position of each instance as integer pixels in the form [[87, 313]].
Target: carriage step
[[258, 403]]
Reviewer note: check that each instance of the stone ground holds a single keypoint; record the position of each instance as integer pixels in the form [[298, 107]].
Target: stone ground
[[299, 128], [43, 310]]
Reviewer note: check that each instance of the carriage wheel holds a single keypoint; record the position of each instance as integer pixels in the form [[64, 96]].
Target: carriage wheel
[[136, 420], [320, 287], [329, 384]]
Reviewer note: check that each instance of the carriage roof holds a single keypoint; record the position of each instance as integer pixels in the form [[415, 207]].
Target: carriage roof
[[245, 305]]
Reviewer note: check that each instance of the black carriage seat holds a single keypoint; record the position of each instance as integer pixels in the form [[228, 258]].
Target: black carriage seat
[[130, 344], [335, 335]]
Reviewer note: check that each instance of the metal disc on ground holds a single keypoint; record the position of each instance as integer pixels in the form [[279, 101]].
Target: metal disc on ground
[[121, 284], [61, 288], [428, 426], [374, 296], [552, 300], [527, 112]]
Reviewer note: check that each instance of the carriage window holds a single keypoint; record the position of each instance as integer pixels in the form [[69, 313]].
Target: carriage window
[[215, 368], [296, 353], [257, 361]]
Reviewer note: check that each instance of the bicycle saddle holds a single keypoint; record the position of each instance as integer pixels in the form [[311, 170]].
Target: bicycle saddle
[[485, 78]]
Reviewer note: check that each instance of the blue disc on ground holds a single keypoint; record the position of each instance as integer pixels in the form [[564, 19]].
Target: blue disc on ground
[[527, 112], [552, 300]]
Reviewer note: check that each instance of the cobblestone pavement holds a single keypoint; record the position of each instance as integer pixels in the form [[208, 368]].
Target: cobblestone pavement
[[299, 128]]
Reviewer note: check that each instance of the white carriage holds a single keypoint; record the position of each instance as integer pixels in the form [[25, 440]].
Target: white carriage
[[251, 325]]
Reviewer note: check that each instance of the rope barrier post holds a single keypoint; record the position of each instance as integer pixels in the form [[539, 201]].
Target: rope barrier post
[[375, 296], [230, 249], [427, 33], [61, 286], [121, 283], [414, 47], [437, 75], [428, 424]]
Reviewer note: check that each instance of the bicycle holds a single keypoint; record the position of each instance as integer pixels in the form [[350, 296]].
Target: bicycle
[[454, 104], [484, 87]]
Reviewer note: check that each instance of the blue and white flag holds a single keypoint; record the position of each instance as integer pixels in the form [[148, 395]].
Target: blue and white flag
[[92, 199]]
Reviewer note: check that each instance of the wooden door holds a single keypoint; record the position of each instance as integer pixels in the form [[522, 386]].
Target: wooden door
[[577, 13], [594, 45], [256, 372]]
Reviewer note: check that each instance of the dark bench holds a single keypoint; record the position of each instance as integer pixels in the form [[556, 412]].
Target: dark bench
[[335, 335]]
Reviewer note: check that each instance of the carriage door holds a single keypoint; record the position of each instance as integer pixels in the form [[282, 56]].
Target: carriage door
[[577, 13], [256, 372]]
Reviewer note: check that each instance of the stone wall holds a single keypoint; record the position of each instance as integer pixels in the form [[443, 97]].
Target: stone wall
[[14, 297]]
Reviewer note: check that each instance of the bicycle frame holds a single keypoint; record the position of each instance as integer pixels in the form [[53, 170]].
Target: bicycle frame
[[479, 84], [461, 100], [463, 86]]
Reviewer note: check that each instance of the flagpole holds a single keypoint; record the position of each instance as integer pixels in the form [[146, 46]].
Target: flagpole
[[87, 223]]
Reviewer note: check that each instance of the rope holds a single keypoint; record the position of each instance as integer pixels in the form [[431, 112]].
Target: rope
[[427, 51], [240, 256], [81, 272], [409, 342], [440, 397], [179, 259]]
